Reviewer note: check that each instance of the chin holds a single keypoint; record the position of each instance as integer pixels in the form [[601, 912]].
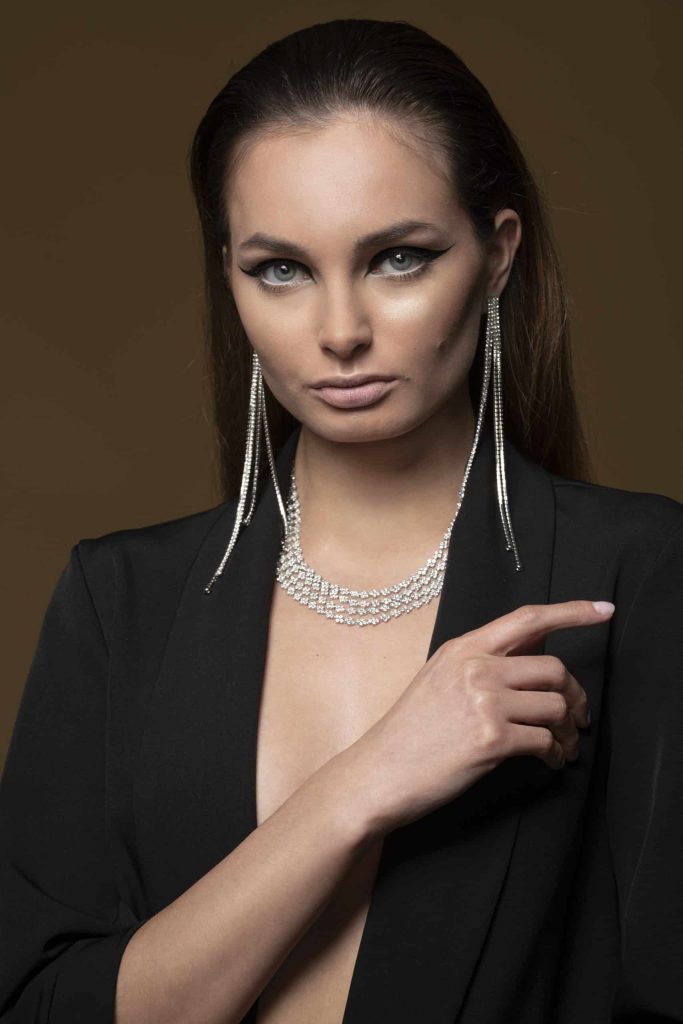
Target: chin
[[359, 426]]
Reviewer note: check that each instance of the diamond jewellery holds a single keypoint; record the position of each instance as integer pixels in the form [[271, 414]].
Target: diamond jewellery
[[355, 607], [366, 607]]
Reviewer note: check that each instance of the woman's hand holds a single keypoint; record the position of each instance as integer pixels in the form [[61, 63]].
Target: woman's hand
[[482, 697]]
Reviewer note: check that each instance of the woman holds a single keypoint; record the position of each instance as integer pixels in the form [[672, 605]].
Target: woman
[[252, 776]]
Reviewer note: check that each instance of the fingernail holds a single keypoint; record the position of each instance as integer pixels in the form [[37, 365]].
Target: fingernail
[[588, 717], [604, 607]]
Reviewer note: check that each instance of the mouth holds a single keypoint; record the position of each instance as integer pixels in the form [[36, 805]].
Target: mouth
[[356, 396]]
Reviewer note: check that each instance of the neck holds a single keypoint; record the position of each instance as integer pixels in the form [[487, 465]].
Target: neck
[[375, 510]]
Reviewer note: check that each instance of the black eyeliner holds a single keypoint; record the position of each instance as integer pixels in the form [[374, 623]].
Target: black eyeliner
[[428, 254]]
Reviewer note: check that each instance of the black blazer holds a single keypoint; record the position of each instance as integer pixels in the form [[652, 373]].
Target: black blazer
[[536, 897]]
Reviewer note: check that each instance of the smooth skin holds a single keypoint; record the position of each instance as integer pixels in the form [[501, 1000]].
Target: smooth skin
[[367, 477], [379, 484]]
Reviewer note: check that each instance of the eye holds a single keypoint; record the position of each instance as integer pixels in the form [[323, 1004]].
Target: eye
[[417, 260], [284, 273], [404, 259]]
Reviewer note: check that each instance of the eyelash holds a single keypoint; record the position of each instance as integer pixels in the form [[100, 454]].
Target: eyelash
[[428, 255]]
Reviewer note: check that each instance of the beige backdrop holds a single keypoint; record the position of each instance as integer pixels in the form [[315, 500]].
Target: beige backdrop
[[104, 423]]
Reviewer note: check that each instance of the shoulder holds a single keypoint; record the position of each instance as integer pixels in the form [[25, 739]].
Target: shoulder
[[145, 567], [154, 544], [633, 524], [635, 538]]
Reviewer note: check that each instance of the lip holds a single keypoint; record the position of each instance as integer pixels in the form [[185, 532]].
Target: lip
[[352, 380], [358, 396]]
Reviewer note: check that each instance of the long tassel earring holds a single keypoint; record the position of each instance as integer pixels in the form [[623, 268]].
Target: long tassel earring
[[492, 361], [256, 420]]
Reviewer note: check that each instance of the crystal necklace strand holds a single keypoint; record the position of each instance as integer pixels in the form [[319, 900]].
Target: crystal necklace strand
[[356, 607]]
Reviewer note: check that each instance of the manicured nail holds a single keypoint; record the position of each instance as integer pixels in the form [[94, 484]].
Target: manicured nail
[[604, 607]]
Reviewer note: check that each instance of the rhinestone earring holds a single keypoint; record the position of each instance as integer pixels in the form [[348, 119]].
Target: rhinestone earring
[[492, 361], [256, 420]]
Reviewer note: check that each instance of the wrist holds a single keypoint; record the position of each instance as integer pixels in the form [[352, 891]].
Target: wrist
[[348, 787]]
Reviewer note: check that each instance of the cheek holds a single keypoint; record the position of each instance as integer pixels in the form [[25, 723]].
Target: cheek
[[273, 334], [439, 329], [254, 314]]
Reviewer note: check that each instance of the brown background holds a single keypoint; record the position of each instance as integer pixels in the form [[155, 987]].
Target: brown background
[[104, 420]]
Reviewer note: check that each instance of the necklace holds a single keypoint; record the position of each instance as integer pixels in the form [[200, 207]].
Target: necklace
[[356, 607]]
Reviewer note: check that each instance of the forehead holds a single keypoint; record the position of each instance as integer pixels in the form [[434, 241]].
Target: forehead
[[338, 179]]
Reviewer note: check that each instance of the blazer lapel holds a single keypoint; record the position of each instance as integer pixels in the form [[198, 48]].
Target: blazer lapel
[[439, 878], [195, 786]]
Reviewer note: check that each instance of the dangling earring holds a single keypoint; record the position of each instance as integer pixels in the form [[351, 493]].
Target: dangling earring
[[257, 418], [492, 358]]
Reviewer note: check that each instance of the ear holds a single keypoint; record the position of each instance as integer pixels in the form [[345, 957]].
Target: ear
[[508, 235]]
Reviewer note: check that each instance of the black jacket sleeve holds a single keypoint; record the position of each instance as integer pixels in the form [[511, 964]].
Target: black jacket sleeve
[[644, 794], [63, 929]]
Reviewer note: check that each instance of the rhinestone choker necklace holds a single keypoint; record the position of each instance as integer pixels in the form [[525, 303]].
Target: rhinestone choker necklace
[[356, 607]]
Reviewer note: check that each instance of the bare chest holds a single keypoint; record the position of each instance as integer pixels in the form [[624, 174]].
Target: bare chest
[[324, 685]]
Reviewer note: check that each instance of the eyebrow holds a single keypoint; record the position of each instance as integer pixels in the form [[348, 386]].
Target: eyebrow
[[390, 233]]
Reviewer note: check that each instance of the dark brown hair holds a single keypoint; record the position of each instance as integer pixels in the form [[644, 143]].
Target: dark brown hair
[[402, 75]]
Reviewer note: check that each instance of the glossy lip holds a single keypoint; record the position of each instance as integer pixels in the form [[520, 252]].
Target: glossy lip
[[356, 397], [352, 380]]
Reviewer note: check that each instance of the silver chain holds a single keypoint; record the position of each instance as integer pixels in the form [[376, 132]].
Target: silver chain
[[356, 607]]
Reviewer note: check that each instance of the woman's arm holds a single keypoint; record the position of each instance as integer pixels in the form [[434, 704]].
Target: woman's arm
[[62, 926], [66, 940], [644, 795], [208, 955]]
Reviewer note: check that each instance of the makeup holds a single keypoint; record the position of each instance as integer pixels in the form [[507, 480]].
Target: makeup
[[357, 397], [425, 256]]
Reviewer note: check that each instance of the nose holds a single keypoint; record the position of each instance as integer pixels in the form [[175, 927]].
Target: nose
[[344, 326]]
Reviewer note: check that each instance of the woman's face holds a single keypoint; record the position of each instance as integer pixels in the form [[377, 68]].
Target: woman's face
[[319, 298]]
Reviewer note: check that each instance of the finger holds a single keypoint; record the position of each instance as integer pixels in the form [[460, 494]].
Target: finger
[[536, 741], [529, 625], [544, 709], [546, 672]]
